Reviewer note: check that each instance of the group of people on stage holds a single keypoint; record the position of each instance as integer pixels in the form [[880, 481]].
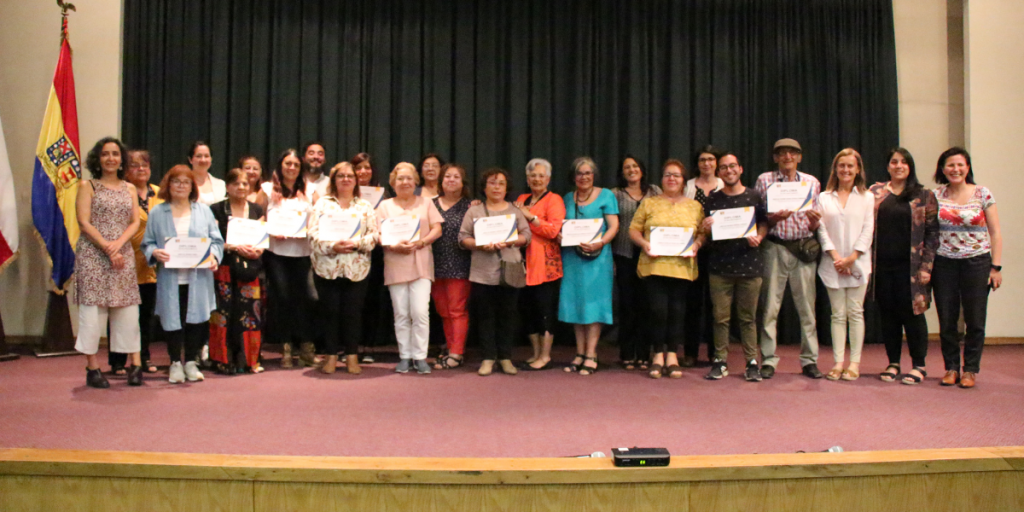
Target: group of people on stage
[[894, 241]]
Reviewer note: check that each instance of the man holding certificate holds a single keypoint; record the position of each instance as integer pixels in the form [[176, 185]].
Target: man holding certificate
[[790, 253], [667, 228], [738, 221]]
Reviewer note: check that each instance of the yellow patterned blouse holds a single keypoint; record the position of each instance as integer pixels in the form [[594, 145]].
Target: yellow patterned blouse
[[660, 212]]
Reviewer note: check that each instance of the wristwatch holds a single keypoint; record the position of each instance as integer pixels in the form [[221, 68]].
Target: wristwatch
[[997, 268]]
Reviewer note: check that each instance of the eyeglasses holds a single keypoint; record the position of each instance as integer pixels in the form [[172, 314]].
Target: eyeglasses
[[584, 173], [706, 159], [181, 182], [725, 167], [672, 175]]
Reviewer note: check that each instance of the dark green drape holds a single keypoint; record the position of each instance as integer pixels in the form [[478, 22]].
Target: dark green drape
[[497, 82], [490, 83]]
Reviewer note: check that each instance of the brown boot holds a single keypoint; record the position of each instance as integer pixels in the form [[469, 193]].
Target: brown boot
[[307, 355], [286, 355], [352, 364], [330, 363]]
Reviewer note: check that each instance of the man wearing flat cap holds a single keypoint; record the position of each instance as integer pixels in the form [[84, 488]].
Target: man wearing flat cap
[[790, 256]]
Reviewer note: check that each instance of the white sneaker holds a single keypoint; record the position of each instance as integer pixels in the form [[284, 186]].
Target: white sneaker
[[177, 374], [192, 372]]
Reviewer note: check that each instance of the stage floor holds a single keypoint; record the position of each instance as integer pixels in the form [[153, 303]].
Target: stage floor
[[44, 404]]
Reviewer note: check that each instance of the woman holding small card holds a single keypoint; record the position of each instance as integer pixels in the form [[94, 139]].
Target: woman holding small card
[[846, 232], [494, 254], [342, 231], [236, 326], [586, 292], [184, 296], [667, 278], [409, 224], [287, 262]]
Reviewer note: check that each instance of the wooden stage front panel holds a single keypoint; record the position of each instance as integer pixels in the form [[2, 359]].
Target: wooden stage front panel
[[934, 480]]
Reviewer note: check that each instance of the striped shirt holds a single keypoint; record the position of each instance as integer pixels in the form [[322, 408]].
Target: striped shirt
[[621, 244], [797, 226]]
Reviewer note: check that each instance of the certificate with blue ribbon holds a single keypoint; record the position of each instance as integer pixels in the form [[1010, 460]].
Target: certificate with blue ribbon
[[733, 223], [335, 227], [496, 229], [795, 196], [189, 252], [666, 241]]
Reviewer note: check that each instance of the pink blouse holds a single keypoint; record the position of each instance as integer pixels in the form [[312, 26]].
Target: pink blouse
[[404, 268]]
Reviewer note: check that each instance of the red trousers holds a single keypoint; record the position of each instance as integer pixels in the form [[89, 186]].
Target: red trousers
[[450, 299]]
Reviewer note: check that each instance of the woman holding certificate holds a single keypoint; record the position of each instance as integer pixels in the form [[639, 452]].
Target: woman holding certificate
[[287, 260], [634, 351], [409, 224], [592, 222], [211, 189], [545, 212], [451, 267], [342, 231], [666, 228], [105, 277], [967, 265], [699, 319], [377, 310], [903, 252], [236, 326], [183, 240], [846, 232], [494, 231]]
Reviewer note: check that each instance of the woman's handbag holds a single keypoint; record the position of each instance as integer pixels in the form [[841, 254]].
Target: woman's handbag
[[243, 270]]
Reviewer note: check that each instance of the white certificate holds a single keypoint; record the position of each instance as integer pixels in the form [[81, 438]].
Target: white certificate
[[581, 231], [793, 196], [733, 223], [248, 232], [671, 241], [189, 252], [335, 227], [495, 230], [372, 195], [287, 223], [400, 229]]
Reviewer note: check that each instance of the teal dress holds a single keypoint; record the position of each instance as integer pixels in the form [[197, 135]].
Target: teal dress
[[586, 293]]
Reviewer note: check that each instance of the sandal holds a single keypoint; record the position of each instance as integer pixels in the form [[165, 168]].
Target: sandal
[[890, 376], [913, 380], [118, 370], [588, 370], [575, 367], [448, 362], [674, 371], [642, 364], [834, 374], [628, 365], [655, 372], [850, 375]]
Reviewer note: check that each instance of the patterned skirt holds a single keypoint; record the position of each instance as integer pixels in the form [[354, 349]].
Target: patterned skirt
[[236, 326]]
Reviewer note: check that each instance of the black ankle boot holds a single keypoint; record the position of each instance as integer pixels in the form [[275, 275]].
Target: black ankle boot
[[135, 376], [95, 379]]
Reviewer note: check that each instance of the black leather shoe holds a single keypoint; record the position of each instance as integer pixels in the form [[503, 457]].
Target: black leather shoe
[[95, 379], [767, 372], [812, 371], [135, 376]]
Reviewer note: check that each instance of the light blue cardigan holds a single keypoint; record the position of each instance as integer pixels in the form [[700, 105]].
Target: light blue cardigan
[[201, 297]]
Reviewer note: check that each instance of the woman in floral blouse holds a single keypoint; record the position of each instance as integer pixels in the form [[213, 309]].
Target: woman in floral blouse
[[967, 263], [341, 265], [902, 253]]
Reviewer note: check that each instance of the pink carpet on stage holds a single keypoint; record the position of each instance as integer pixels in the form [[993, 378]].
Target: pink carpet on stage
[[44, 404]]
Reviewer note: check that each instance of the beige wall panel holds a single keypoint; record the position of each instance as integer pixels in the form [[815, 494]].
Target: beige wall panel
[[79, 494]]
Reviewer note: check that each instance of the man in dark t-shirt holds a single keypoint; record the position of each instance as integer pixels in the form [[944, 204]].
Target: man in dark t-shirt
[[735, 265]]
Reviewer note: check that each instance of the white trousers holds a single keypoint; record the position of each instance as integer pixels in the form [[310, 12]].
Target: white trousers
[[124, 329], [847, 309], [412, 317]]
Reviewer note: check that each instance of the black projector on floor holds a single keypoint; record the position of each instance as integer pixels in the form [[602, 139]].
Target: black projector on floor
[[640, 457]]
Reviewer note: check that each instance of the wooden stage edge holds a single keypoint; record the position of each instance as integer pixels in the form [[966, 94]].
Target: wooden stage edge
[[934, 480]]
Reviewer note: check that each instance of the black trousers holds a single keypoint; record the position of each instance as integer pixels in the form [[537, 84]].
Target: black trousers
[[667, 304], [378, 329], [539, 304], [962, 283], [495, 308], [148, 293], [699, 315], [341, 312], [633, 345], [289, 299], [896, 315], [190, 336]]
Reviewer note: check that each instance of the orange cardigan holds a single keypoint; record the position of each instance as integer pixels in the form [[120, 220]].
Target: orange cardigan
[[543, 254]]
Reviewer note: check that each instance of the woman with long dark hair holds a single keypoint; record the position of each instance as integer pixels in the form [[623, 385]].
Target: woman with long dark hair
[[633, 187], [967, 264], [903, 252]]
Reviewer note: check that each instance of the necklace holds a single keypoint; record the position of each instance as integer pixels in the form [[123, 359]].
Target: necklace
[[585, 199]]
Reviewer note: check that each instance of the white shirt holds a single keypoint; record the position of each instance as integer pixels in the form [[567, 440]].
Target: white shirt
[[293, 247], [218, 191], [690, 190], [319, 186], [181, 225], [845, 230]]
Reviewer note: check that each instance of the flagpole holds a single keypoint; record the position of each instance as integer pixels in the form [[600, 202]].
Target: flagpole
[[58, 335]]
